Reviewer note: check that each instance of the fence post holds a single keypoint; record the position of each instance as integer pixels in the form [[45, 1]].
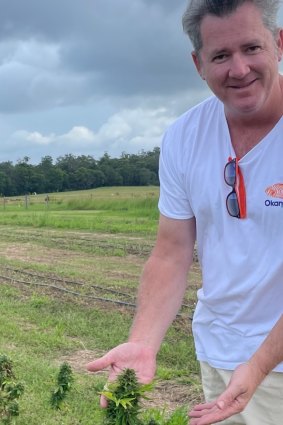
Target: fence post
[[47, 201]]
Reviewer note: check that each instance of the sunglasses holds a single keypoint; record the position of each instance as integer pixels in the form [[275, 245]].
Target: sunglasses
[[236, 199]]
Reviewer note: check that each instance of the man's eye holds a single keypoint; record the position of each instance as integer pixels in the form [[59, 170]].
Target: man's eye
[[219, 58], [254, 49]]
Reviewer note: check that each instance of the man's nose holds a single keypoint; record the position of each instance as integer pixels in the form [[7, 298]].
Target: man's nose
[[239, 66]]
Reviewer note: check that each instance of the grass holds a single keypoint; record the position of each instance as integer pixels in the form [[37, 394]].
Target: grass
[[111, 210], [40, 327]]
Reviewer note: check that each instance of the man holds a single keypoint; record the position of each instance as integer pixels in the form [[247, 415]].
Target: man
[[221, 181]]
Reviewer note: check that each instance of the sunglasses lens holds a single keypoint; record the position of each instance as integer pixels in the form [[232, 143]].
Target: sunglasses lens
[[232, 204], [230, 173]]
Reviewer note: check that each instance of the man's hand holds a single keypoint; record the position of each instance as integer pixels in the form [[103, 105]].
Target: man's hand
[[233, 400], [130, 355]]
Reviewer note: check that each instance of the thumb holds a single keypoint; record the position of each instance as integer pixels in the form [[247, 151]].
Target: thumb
[[99, 364], [221, 404], [226, 398]]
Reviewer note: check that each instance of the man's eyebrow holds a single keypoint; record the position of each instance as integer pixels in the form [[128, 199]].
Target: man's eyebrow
[[217, 52], [252, 42], [223, 50]]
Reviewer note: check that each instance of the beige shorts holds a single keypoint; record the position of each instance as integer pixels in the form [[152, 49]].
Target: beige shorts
[[266, 406]]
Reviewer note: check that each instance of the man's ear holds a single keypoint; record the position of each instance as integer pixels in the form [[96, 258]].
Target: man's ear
[[198, 65], [279, 44]]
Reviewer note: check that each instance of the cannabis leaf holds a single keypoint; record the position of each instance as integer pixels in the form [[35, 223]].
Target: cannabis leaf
[[64, 383], [10, 391]]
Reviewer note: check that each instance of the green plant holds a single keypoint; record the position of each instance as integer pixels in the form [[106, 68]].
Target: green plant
[[123, 398], [159, 417], [178, 417], [64, 383], [10, 391], [123, 408]]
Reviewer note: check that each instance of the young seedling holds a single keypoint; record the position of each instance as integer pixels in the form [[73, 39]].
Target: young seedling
[[64, 383], [10, 391]]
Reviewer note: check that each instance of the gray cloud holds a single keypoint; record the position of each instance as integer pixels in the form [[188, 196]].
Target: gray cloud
[[143, 48], [90, 48], [84, 64]]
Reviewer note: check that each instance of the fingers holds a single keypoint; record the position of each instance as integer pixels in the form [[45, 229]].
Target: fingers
[[210, 413], [207, 418], [128, 355], [113, 357], [103, 402], [103, 362], [99, 364], [95, 366], [203, 406], [202, 413]]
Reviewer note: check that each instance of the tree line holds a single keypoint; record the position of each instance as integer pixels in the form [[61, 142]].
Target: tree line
[[70, 172]]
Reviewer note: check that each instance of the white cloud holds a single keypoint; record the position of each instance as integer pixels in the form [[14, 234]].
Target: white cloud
[[130, 130], [78, 134], [116, 127], [33, 138], [38, 138]]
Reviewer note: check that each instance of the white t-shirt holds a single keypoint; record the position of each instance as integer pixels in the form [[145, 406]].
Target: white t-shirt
[[241, 259]]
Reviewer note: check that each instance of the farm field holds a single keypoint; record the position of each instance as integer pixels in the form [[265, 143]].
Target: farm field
[[69, 271]]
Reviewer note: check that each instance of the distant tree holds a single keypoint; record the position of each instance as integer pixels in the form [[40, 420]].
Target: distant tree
[[87, 162], [8, 186], [53, 176], [98, 178], [84, 178], [3, 183], [67, 163], [112, 177], [145, 177], [127, 172], [23, 172], [46, 163], [72, 172]]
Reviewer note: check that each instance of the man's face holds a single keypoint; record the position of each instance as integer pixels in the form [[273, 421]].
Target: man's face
[[239, 60]]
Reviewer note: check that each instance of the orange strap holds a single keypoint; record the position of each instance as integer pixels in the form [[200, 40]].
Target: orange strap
[[241, 191]]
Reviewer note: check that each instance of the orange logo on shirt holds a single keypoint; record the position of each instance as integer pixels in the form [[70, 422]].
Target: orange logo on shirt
[[275, 191]]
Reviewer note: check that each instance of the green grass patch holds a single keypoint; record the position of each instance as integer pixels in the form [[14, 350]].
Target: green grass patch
[[100, 238], [37, 330], [111, 210]]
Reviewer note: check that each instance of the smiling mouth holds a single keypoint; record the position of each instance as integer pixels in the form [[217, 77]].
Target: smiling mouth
[[242, 86]]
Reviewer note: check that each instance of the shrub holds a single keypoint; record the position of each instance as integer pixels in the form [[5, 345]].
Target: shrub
[[10, 391]]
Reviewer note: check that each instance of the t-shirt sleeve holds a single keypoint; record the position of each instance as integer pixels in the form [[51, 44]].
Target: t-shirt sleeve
[[173, 199]]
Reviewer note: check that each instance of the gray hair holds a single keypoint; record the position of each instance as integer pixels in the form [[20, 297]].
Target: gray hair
[[198, 9]]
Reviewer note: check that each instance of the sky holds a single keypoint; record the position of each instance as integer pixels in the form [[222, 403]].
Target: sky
[[85, 77]]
